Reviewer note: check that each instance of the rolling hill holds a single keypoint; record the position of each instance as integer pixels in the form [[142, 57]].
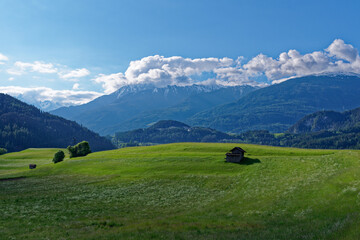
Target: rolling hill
[[278, 107], [327, 121], [137, 106], [182, 191], [23, 126], [169, 131], [323, 129]]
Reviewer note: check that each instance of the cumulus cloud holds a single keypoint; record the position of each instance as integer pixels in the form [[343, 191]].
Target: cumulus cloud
[[58, 98], [173, 70], [3, 58], [288, 64], [341, 50], [234, 76], [20, 68], [77, 73], [111, 82], [338, 57], [161, 71]]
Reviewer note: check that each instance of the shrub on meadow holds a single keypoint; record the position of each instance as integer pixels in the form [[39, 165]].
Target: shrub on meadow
[[3, 151], [59, 156], [80, 149]]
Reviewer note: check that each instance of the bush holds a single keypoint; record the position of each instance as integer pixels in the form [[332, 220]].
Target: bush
[[80, 149], [59, 156], [3, 151]]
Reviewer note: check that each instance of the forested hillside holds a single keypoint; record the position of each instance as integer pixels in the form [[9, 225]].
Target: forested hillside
[[346, 135], [327, 120], [168, 131], [23, 126], [324, 129]]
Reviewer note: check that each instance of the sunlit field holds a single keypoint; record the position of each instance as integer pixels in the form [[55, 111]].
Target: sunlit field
[[181, 191]]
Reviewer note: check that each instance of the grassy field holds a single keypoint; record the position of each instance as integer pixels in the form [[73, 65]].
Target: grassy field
[[181, 191]]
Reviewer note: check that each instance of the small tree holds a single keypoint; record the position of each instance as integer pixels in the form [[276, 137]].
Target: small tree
[[59, 156], [80, 149], [3, 151]]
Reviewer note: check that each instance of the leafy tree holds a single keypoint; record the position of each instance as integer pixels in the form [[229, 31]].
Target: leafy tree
[[3, 151], [80, 149], [59, 156]]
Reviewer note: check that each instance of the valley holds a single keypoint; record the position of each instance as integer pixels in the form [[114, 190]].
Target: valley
[[179, 120]]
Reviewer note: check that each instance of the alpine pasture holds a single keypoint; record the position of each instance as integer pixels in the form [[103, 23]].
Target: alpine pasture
[[181, 191]]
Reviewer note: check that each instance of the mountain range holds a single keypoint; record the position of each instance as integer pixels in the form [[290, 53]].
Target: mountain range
[[23, 126], [228, 109], [45, 105], [279, 106], [138, 106]]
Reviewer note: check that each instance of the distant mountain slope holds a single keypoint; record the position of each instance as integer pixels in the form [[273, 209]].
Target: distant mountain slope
[[137, 106], [277, 107], [323, 129], [327, 121], [23, 126], [169, 131], [181, 112]]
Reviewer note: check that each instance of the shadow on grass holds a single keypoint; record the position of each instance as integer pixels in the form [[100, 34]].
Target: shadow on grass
[[12, 179], [247, 161]]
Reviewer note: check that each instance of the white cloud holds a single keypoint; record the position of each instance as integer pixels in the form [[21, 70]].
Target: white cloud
[[344, 51], [161, 71], [76, 86], [77, 73], [58, 98], [112, 82], [37, 66], [234, 76], [11, 79], [20, 68], [292, 63], [3, 58]]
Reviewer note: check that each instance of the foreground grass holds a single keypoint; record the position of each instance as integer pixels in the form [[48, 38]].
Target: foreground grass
[[181, 191]]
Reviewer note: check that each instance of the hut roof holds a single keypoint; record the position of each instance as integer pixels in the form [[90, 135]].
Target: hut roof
[[237, 149]]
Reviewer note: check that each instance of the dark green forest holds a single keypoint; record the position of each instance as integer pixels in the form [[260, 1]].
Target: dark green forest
[[327, 121], [323, 129], [334, 131], [348, 138], [23, 126], [168, 131]]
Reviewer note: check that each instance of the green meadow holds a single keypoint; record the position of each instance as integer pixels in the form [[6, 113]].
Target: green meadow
[[181, 191]]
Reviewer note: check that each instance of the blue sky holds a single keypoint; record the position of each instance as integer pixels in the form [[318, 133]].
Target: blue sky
[[44, 41]]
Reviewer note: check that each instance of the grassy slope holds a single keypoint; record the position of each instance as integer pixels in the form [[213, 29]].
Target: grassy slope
[[182, 191]]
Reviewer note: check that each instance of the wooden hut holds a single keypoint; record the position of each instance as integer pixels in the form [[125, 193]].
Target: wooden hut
[[32, 166], [235, 155]]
